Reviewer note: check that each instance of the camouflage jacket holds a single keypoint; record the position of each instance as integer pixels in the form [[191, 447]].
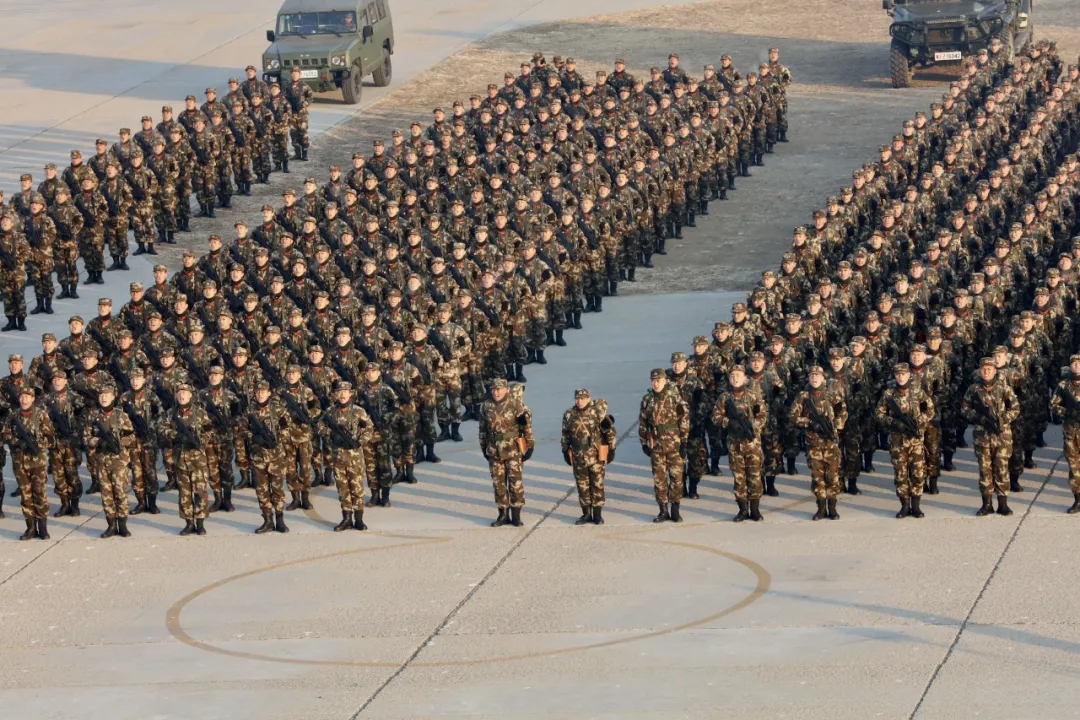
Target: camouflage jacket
[[28, 430], [502, 424], [913, 402], [584, 430], [983, 402], [749, 408], [663, 415], [829, 405], [350, 418], [102, 422]]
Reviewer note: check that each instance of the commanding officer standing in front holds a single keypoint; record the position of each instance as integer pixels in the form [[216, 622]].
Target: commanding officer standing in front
[[663, 427], [588, 445], [506, 439]]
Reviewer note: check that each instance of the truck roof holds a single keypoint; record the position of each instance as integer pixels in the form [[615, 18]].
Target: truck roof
[[290, 6]]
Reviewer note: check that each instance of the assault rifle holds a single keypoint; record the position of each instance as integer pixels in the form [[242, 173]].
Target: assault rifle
[[344, 372], [902, 422], [107, 440], [23, 436], [819, 423], [217, 416], [184, 432], [260, 433], [297, 412], [986, 416], [438, 343], [739, 427], [60, 421], [338, 433], [197, 373], [142, 428]]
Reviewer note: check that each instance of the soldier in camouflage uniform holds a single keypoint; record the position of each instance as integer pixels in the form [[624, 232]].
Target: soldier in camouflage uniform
[[380, 401], [186, 428], [1065, 407], [117, 193], [267, 422], [41, 237], [742, 411], [821, 412], [991, 406], [663, 428], [507, 442], [29, 433], [588, 445], [108, 437], [223, 407], [904, 411], [302, 408], [347, 429], [700, 406], [299, 96], [65, 408], [68, 222], [15, 252], [144, 410]]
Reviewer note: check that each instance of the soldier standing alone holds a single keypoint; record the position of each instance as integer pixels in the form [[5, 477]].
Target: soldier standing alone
[[506, 439], [904, 412], [822, 412], [991, 406], [663, 427], [741, 411], [588, 445]]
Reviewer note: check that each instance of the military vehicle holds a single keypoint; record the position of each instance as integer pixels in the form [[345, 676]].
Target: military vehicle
[[335, 43], [943, 32]]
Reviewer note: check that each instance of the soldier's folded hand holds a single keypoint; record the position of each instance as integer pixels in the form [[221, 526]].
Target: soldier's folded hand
[[610, 456], [566, 457], [646, 449], [527, 454]]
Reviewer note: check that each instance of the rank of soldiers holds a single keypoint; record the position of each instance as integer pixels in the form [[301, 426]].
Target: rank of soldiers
[[934, 294], [367, 318]]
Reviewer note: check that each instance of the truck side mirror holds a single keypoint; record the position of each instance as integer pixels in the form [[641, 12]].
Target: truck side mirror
[[367, 32], [886, 5], [270, 36]]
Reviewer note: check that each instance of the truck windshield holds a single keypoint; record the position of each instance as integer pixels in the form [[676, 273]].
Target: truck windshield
[[317, 23]]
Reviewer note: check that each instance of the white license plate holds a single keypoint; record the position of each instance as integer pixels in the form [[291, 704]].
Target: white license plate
[[951, 55], [315, 73]]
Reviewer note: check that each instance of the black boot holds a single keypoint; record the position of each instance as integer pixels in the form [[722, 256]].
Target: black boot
[[444, 432], [692, 492], [115, 264], [121, 527], [755, 510], [987, 506], [631, 273], [11, 324], [517, 373], [614, 289], [303, 154], [868, 461], [268, 524], [540, 359], [65, 508], [947, 464], [294, 503], [285, 166], [140, 506], [550, 337], [916, 511], [559, 341], [588, 304], [455, 435], [597, 516], [74, 511], [830, 505], [410, 478], [43, 528], [31, 530], [905, 508], [328, 477], [586, 517], [853, 487], [72, 293], [189, 528], [111, 530], [210, 209], [530, 356], [358, 520], [960, 441], [931, 486], [598, 303], [770, 486], [374, 500], [94, 488], [346, 521], [64, 294], [243, 482], [1039, 441], [675, 516], [151, 504], [280, 525], [430, 455], [296, 154], [663, 514], [199, 529], [1029, 461], [384, 497], [1003, 506], [659, 248], [1076, 504], [577, 319], [48, 306], [170, 481], [140, 250], [791, 467], [39, 306], [1014, 483], [20, 324], [305, 500], [741, 515], [822, 510], [714, 465], [216, 505], [226, 500], [501, 520]]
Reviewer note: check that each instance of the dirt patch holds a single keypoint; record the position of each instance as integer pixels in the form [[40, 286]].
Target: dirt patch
[[841, 106]]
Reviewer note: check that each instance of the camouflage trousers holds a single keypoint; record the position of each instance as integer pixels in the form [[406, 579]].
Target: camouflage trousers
[[166, 208], [116, 232], [298, 131], [851, 442], [667, 470], [219, 463], [279, 145], [992, 453], [589, 475], [32, 474], [425, 427], [296, 449], [908, 456], [506, 479], [64, 462], [244, 450], [405, 435], [269, 471], [113, 475], [241, 164], [1072, 455], [1023, 439], [824, 461], [142, 221], [349, 478], [260, 156], [745, 458], [192, 477], [92, 248], [42, 276], [144, 469], [65, 256], [184, 188], [378, 461], [320, 456], [223, 183], [13, 288], [472, 381], [204, 183], [932, 443], [772, 452], [697, 456], [448, 395]]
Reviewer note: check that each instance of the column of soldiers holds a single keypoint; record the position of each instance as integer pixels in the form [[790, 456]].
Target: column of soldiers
[[933, 294], [597, 174], [367, 318]]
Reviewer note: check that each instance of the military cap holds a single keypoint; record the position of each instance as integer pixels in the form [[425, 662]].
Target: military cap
[[657, 373], [885, 297], [1041, 291], [793, 317], [844, 264], [933, 332], [721, 326], [837, 353], [262, 385], [1017, 332], [872, 315], [1053, 272], [240, 350], [739, 307], [396, 345], [126, 332], [343, 330], [296, 312], [1001, 349], [1074, 358], [292, 368], [501, 384], [678, 357], [788, 257], [776, 339], [757, 355], [271, 329], [901, 367], [87, 352], [816, 370], [701, 340]]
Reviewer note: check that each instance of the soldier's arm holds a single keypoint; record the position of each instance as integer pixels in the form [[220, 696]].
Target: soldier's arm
[[840, 414], [565, 442], [645, 423], [881, 413], [1012, 407], [966, 410], [719, 411], [1057, 404]]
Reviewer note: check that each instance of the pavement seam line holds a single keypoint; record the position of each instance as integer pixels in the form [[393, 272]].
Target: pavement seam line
[[982, 591], [472, 593]]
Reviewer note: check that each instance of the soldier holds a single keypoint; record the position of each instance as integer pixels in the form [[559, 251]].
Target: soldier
[[119, 200], [822, 413], [144, 410], [1065, 407], [904, 411], [347, 430], [15, 252], [588, 445], [108, 437], [454, 345], [742, 411], [299, 96], [65, 408], [266, 422], [186, 428], [29, 433], [663, 428], [68, 222], [380, 402], [506, 440], [700, 406], [41, 237], [991, 406], [302, 407], [223, 406], [95, 213], [144, 191]]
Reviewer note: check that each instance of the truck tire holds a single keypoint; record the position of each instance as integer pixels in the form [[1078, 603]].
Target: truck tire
[[353, 87], [385, 72], [899, 68]]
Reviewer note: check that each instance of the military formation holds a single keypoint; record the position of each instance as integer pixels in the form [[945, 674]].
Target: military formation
[[340, 337], [933, 294]]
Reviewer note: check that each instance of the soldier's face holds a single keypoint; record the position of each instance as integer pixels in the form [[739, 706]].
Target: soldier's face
[[987, 372], [1074, 367], [106, 398], [262, 395], [658, 384], [817, 380], [737, 379]]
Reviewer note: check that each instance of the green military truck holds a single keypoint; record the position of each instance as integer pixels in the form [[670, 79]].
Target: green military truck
[[335, 43]]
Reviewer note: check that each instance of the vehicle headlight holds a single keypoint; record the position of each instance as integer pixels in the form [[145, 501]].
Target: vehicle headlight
[[338, 61], [272, 63]]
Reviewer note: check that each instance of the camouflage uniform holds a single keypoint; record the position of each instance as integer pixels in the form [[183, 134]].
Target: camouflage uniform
[[65, 409], [506, 440], [985, 404], [29, 433], [663, 428], [16, 253], [743, 413], [352, 433], [1065, 405], [300, 97], [585, 430], [905, 412], [267, 423], [822, 440], [192, 473], [111, 426], [144, 410]]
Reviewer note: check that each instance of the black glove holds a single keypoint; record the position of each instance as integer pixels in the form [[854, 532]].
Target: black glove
[[526, 455], [682, 449], [646, 449], [610, 456], [486, 456], [566, 457]]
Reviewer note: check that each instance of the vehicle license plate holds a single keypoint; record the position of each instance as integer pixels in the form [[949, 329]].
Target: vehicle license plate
[[951, 55], [315, 73]]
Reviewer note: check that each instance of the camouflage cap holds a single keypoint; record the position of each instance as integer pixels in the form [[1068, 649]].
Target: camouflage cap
[[499, 384], [793, 317], [1074, 358], [757, 355], [816, 370], [581, 393], [901, 367], [262, 385], [678, 356], [657, 373], [837, 353], [700, 340]]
